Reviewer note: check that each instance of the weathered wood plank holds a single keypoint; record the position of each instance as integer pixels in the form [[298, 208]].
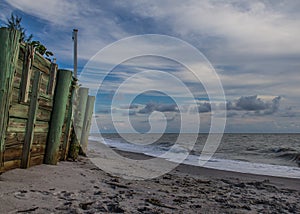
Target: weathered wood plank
[[15, 138], [13, 153], [9, 52], [40, 138], [44, 84], [31, 121], [45, 101], [38, 150], [36, 160], [15, 95], [13, 164], [19, 125], [41, 63], [16, 125], [21, 111]]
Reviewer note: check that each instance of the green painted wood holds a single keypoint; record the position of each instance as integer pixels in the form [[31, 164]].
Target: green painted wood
[[9, 51], [66, 142], [33, 107], [19, 125], [87, 123], [41, 63], [21, 111], [80, 104], [61, 94]]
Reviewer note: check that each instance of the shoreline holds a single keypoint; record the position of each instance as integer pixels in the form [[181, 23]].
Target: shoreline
[[81, 187], [292, 183]]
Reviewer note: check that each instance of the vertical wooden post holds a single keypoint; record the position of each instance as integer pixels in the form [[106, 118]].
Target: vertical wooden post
[[52, 80], [9, 52], [87, 123], [61, 94], [80, 111], [65, 146], [26, 73], [33, 107]]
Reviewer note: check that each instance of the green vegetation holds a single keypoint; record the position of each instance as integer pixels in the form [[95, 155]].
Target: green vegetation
[[41, 48], [14, 22]]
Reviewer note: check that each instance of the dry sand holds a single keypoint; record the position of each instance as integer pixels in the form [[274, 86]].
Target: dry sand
[[81, 187]]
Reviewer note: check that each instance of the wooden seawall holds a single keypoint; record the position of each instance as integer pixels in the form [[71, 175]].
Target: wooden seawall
[[36, 107]]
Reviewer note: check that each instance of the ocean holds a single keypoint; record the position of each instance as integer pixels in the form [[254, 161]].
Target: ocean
[[265, 154]]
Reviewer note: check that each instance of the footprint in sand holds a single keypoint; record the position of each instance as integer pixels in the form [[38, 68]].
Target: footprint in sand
[[22, 194]]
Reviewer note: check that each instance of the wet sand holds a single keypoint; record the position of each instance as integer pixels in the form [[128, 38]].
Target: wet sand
[[81, 187]]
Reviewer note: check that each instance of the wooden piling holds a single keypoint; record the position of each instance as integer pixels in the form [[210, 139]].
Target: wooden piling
[[87, 123], [80, 111], [66, 142], [9, 51], [61, 94], [32, 113]]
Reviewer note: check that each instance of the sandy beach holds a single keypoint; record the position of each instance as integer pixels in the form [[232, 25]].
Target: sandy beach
[[81, 187]]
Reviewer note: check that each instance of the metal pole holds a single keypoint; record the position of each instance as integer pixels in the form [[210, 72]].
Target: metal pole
[[75, 31]]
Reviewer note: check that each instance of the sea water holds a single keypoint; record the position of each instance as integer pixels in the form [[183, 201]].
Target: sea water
[[265, 154]]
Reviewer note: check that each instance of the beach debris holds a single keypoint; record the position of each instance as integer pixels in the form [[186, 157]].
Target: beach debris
[[143, 209], [98, 193], [157, 202], [167, 177], [28, 210], [85, 205], [115, 184], [21, 194], [240, 185], [202, 181], [115, 208]]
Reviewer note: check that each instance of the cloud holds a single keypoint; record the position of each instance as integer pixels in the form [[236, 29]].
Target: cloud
[[252, 44], [131, 106], [256, 104], [202, 107], [274, 106], [254, 26], [251, 103], [151, 107]]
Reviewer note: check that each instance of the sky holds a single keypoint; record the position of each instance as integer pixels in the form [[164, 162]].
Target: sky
[[251, 48]]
